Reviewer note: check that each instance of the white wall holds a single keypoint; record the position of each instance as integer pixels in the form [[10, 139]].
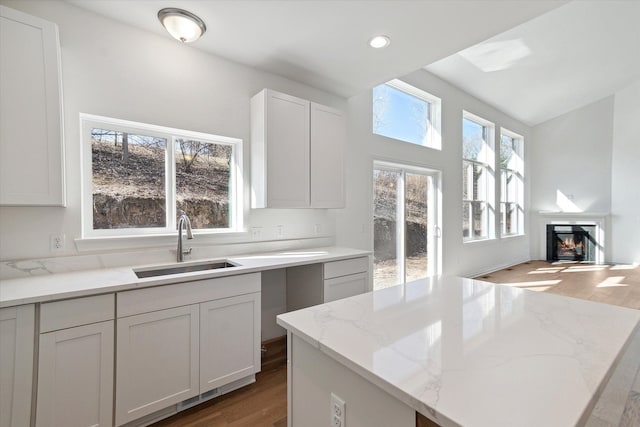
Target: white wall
[[572, 154], [625, 179], [354, 224], [115, 70]]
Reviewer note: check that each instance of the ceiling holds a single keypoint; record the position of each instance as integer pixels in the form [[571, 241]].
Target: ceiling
[[324, 43], [565, 59], [533, 59]]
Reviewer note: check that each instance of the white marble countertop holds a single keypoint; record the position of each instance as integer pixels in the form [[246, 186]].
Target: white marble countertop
[[49, 287], [469, 353]]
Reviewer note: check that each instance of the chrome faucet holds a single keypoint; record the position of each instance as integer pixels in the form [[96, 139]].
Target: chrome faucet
[[183, 221]]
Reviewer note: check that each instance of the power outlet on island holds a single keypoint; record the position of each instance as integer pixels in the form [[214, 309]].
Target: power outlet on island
[[337, 411]]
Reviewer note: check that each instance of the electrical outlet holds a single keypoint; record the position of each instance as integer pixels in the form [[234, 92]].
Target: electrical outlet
[[280, 231], [316, 229], [56, 242], [337, 411], [256, 233]]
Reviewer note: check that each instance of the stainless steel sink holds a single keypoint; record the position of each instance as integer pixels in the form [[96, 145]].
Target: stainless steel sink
[[167, 270]]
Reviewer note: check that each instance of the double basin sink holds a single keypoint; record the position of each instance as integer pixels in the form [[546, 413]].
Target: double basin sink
[[167, 270]]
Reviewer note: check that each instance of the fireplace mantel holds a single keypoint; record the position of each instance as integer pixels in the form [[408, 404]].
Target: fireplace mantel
[[599, 219]]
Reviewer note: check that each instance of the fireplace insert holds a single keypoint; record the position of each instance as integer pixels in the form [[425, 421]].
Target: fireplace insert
[[571, 242]]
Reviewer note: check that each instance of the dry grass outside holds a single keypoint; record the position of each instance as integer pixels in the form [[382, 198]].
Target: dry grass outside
[[385, 273]]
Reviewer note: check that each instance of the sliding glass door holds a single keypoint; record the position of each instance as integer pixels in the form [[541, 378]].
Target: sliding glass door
[[404, 224]]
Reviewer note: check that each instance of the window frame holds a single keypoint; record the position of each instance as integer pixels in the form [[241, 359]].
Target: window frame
[[488, 164], [89, 122], [433, 138], [517, 171]]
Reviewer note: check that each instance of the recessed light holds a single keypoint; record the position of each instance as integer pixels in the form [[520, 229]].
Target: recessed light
[[379, 42]]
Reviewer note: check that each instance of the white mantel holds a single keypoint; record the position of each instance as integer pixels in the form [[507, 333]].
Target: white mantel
[[599, 219]]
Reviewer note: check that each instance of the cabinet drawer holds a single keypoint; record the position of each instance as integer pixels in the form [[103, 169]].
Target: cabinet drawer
[[169, 296], [343, 287], [345, 267], [76, 312]]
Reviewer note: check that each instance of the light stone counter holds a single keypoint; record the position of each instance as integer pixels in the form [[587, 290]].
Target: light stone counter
[[468, 353], [49, 287]]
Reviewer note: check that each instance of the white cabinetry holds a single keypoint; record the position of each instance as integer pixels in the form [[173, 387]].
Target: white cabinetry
[[297, 153], [157, 361], [17, 330], [30, 111], [75, 363], [314, 284], [178, 341], [229, 340]]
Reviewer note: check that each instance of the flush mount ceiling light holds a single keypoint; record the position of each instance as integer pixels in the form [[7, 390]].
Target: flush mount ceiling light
[[378, 42], [182, 25]]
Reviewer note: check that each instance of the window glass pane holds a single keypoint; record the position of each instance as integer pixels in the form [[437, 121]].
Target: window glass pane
[[473, 141], [128, 180], [387, 267], [507, 145], [416, 225], [399, 115], [479, 219], [203, 182], [467, 180], [466, 219]]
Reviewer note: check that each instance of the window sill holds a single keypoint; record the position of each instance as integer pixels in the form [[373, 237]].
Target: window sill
[[106, 243], [484, 240], [511, 236]]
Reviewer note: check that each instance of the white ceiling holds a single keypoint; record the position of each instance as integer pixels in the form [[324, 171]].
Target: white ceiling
[[323, 43], [570, 57]]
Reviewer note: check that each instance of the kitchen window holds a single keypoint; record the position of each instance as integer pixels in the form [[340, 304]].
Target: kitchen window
[[511, 183], [406, 113], [137, 178], [478, 182]]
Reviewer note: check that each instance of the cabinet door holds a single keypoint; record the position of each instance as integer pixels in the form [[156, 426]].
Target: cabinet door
[[31, 144], [327, 157], [17, 329], [157, 361], [346, 286], [75, 377], [287, 151], [229, 340]]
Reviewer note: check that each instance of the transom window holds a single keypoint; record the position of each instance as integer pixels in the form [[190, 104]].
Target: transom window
[[406, 113], [137, 178], [511, 183], [478, 183]]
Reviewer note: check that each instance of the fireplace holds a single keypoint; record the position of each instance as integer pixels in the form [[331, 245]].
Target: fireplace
[[571, 242]]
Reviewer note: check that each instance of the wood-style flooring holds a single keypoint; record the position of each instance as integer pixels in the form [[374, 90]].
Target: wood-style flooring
[[264, 403], [609, 284]]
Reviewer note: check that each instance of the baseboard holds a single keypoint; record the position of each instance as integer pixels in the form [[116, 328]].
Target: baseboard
[[493, 269]]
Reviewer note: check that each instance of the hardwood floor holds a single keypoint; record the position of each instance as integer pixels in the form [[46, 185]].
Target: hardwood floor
[[264, 403], [610, 284], [261, 404]]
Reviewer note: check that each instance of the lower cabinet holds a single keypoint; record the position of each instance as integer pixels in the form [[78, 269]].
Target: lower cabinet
[[229, 340], [75, 363], [157, 356], [75, 377], [17, 330], [175, 342]]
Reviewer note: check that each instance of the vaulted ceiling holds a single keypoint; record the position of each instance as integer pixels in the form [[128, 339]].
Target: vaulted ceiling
[[533, 59]]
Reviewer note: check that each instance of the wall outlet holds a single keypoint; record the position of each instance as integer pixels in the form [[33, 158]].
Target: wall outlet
[[316, 229], [337, 411], [256, 233], [280, 231], [56, 243]]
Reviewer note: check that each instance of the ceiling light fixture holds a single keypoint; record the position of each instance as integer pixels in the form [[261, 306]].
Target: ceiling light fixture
[[182, 25], [379, 42]]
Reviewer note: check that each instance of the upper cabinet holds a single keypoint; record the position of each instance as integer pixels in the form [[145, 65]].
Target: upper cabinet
[[31, 140], [297, 153]]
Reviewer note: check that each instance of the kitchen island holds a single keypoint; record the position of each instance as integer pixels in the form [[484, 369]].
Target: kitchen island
[[459, 352]]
